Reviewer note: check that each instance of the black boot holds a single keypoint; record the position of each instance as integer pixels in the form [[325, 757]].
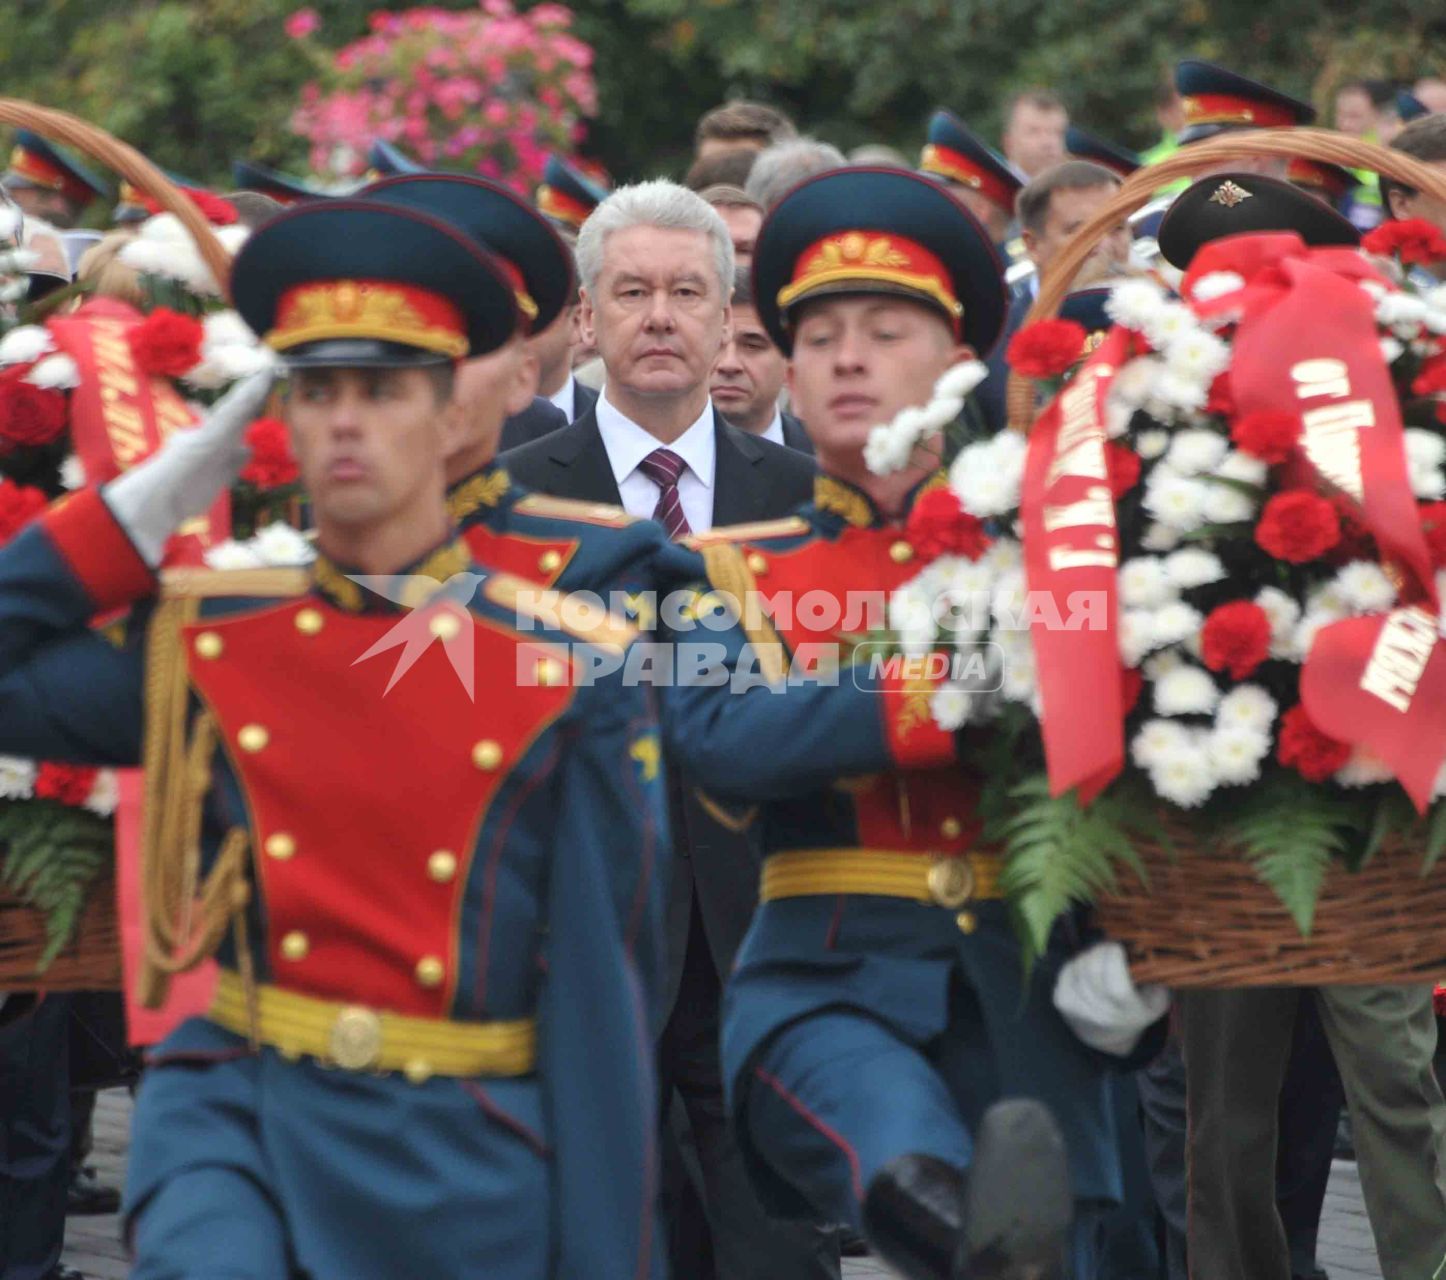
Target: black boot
[[913, 1216]]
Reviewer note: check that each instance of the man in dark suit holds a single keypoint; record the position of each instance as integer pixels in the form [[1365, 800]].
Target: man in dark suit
[[748, 376], [656, 266]]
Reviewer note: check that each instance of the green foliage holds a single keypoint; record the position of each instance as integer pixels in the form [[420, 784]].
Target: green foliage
[[53, 855]]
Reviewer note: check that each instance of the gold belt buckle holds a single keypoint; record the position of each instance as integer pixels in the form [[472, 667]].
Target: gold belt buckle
[[356, 1038], [951, 882]]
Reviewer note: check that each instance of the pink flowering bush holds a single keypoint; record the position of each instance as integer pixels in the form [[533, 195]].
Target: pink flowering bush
[[490, 91]]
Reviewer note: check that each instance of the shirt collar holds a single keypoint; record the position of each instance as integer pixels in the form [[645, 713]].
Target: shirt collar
[[565, 397], [774, 430], [628, 444]]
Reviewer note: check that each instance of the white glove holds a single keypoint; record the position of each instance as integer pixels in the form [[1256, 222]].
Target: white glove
[[182, 478], [1103, 1007]]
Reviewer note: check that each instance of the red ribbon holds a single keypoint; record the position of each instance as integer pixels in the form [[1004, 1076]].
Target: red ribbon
[[1071, 553]]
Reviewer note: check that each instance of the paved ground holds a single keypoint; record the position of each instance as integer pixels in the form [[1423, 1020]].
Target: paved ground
[[93, 1244]]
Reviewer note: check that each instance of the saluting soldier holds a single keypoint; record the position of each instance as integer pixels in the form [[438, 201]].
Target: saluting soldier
[[426, 846]]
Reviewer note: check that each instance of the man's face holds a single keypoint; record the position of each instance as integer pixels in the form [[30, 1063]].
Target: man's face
[[742, 222], [1432, 94], [49, 206], [553, 349], [1421, 205], [749, 373], [486, 391], [1354, 113], [1069, 209], [858, 360], [991, 217], [660, 316], [717, 146], [1034, 138], [370, 442]]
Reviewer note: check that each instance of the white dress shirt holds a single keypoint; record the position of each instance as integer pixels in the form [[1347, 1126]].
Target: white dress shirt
[[628, 444], [774, 430], [565, 397]]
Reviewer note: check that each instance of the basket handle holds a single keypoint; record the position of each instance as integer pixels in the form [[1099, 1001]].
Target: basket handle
[[125, 160], [1139, 188]]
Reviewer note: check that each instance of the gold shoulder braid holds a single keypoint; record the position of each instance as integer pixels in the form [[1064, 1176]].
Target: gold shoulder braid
[[830, 495], [728, 572], [485, 489]]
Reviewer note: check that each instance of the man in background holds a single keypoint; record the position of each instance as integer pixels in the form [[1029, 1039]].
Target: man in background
[[741, 215], [748, 378], [785, 164], [1034, 124]]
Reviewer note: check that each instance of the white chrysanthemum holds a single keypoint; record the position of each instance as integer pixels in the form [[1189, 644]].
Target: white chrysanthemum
[[1156, 739], [1135, 303], [28, 342], [1173, 395], [960, 379], [1236, 752], [1193, 452], [1197, 356], [887, 450], [1003, 555], [1009, 600], [1175, 500], [233, 555], [1158, 538], [1019, 677], [72, 473], [1152, 444], [1216, 284], [1307, 628], [1225, 504], [1176, 622], [17, 778], [911, 617], [967, 589], [164, 228], [280, 544], [1283, 613], [939, 413], [1136, 635], [9, 222], [1402, 313], [1193, 567], [1392, 350], [1363, 769], [1170, 322], [57, 373], [104, 794], [1247, 706], [1144, 584], [1427, 483], [1242, 467], [149, 257], [1186, 691], [1158, 665], [950, 707], [1183, 777], [226, 328], [1424, 448], [1364, 587], [233, 237], [986, 476], [1135, 382]]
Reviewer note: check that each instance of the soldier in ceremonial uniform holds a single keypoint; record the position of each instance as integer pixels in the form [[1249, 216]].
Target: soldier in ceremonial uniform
[[877, 1011], [281, 187], [436, 912], [47, 183], [567, 195]]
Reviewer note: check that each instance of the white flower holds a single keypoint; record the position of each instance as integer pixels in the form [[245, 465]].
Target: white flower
[[1247, 706], [1183, 777], [1172, 392], [1241, 466], [17, 778], [1159, 537], [960, 379], [1363, 769], [72, 473], [1391, 350], [28, 342], [1364, 587], [986, 476], [911, 616], [226, 328], [1003, 555], [1197, 356], [1236, 752], [57, 373], [233, 555], [1192, 452], [950, 707], [1227, 505], [1424, 448], [1159, 665], [280, 544], [1175, 623], [1135, 303], [1402, 313], [938, 414], [1170, 321], [1152, 443], [1427, 483], [1216, 284], [233, 237], [164, 228], [1193, 567], [1135, 381], [1156, 739], [1019, 674], [1185, 691], [1144, 584], [1283, 613], [1009, 600], [1175, 500], [104, 794], [887, 450], [9, 222], [1306, 628], [1135, 633]]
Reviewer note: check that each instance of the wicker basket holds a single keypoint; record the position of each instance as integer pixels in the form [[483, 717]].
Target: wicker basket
[[92, 960], [1205, 919]]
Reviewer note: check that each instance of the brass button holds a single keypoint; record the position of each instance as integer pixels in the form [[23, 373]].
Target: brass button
[[430, 971], [966, 922], [901, 552], [295, 945], [309, 621], [549, 562], [757, 563], [252, 738], [442, 866], [280, 845], [418, 1071], [356, 1038], [951, 828], [550, 672], [951, 882], [209, 645], [487, 755], [445, 626]]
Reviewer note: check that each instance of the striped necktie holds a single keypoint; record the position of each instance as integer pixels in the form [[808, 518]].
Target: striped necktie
[[663, 467]]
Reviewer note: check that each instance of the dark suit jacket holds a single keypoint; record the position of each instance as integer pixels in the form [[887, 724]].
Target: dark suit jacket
[[583, 399], [794, 436], [753, 479], [534, 422]]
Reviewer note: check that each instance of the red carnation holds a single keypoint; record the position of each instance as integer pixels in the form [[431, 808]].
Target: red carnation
[[19, 505], [1046, 348], [216, 211], [939, 526], [1432, 378], [1267, 434], [30, 415], [1304, 748], [1221, 400], [1433, 524], [1413, 240], [1235, 638], [167, 343], [272, 464], [68, 783], [1298, 526], [1131, 682], [1123, 465]]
